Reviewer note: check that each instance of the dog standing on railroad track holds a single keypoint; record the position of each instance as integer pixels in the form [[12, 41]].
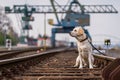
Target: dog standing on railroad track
[[85, 57]]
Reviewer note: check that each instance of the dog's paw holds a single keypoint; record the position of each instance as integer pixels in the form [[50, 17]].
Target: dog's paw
[[94, 66], [80, 67], [85, 65], [75, 66], [91, 67]]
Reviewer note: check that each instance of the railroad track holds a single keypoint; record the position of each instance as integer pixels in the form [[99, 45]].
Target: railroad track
[[20, 52], [51, 65], [62, 73]]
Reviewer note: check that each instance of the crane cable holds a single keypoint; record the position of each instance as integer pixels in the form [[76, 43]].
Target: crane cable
[[65, 7], [54, 8]]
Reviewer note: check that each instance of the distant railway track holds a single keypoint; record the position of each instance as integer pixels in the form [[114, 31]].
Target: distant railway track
[[51, 65], [7, 54]]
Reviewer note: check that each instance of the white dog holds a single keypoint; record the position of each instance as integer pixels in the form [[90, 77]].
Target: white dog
[[85, 57]]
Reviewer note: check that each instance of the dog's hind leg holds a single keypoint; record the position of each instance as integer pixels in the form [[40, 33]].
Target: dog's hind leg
[[77, 61], [84, 63]]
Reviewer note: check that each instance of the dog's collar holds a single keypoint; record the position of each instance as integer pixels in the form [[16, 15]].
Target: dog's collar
[[83, 39]]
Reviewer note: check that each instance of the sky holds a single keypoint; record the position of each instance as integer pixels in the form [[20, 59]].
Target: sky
[[102, 26]]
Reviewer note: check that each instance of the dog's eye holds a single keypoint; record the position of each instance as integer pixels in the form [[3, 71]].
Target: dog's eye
[[75, 30]]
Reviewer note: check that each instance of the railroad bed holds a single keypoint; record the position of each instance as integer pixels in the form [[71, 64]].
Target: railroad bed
[[59, 66], [52, 65]]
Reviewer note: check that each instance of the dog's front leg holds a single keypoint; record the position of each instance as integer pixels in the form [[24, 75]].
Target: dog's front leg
[[77, 62], [90, 61], [81, 63]]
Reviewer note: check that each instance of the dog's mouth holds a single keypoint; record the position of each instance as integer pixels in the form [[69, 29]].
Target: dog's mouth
[[74, 35]]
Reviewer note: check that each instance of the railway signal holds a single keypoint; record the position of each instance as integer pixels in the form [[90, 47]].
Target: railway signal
[[30, 18], [107, 42], [8, 44]]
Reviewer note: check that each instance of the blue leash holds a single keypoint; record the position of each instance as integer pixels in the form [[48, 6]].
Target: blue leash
[[96, 48]]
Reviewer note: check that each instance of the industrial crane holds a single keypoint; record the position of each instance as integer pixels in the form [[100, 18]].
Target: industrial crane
[[78, 17], [75, 14], [26, 18]]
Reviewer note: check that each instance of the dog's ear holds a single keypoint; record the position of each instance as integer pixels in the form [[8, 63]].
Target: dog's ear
[[81, 31]]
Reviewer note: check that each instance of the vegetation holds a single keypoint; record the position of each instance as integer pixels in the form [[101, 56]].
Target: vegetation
[[6, 24], [2, 40], [13, 39]]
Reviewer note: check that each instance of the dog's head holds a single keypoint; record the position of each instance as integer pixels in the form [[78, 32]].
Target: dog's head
[[77, 32]]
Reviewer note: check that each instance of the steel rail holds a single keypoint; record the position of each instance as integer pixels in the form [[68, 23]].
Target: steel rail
[[7, 61], [107, 58], [7, 55]]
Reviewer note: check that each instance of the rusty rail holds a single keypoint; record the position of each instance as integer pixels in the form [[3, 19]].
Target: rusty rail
[[102, 61], [112, 71]]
